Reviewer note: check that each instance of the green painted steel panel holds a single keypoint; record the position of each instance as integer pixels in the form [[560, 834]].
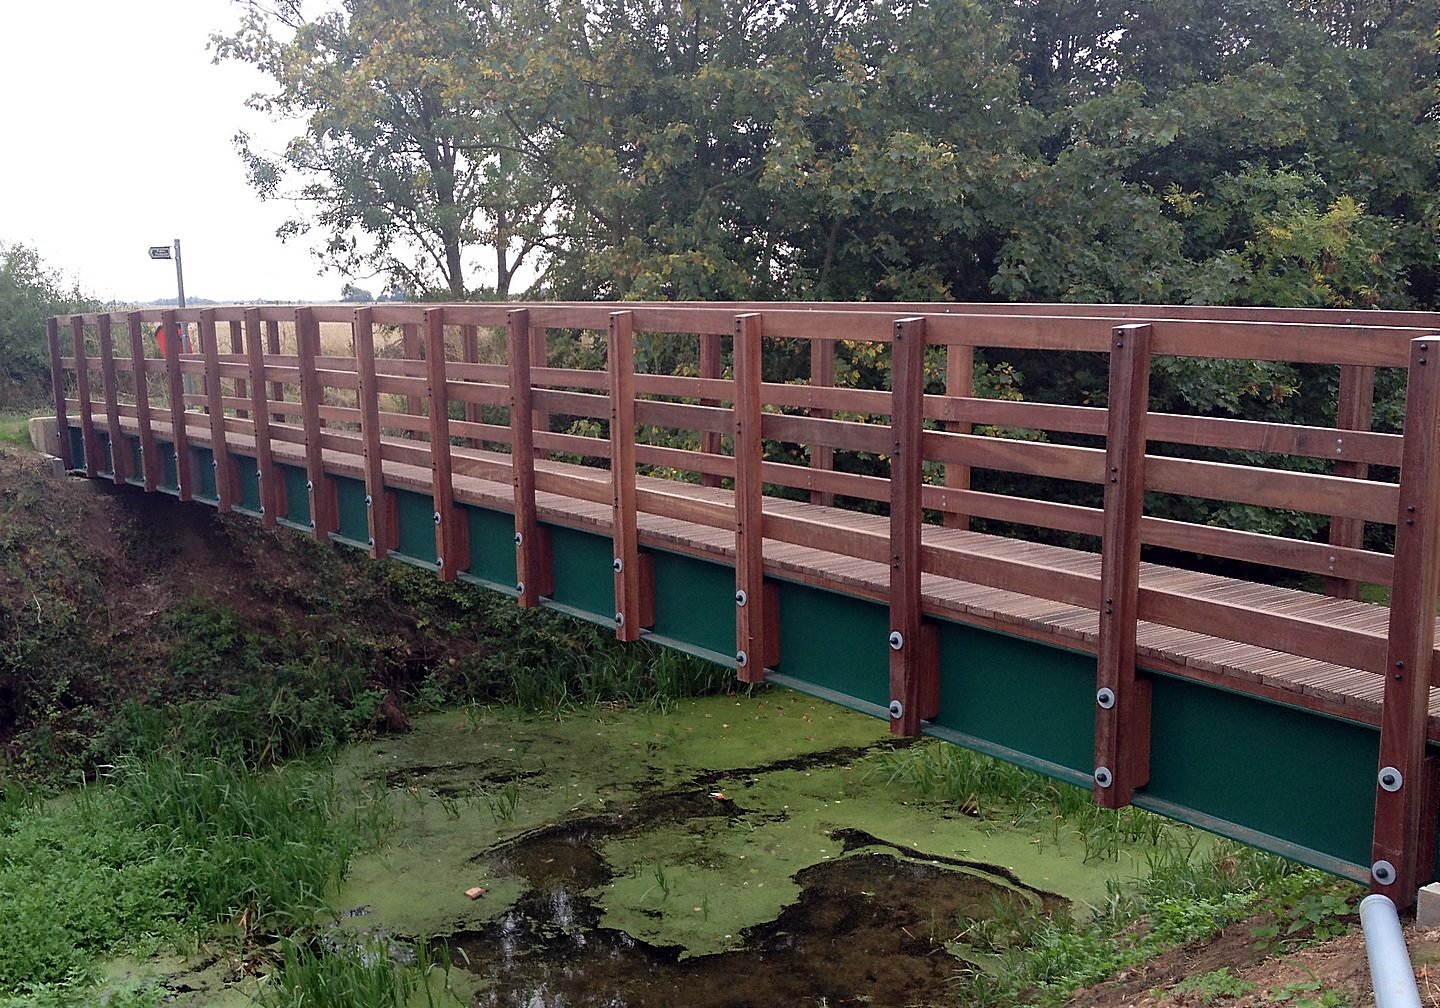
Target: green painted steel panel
[[203, 466], [835, 642], [77, 448], [492, 545], [584, 577], [169, 472], [297, 496], [247, 474], [415, 534], [694, 601], [354, 516], [137, 461], [1019, 695], [107, 460], [1278, 770]]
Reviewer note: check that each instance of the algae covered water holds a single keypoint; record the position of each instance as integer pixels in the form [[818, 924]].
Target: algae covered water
[[727, 851]]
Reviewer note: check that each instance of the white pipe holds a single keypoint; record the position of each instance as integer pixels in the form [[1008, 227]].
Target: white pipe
[[1390, 972]]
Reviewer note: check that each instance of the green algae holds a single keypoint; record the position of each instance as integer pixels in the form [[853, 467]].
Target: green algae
[[785, 771], [684, 834]]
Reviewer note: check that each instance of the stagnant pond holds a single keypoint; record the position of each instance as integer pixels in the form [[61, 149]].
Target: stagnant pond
[[730, 851]]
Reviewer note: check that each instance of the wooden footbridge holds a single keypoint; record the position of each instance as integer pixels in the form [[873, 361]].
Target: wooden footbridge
[[711, 511]]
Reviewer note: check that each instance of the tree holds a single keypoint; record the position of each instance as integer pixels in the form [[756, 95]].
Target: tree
[[888, 144], [652, 120], [1172, 125], [1084, 150], [30, 292], [404, 170]]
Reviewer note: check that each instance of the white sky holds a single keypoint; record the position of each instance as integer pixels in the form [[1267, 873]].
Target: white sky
[[116, 136]]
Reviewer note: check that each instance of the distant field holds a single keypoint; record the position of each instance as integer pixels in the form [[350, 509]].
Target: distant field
[[336, 341]]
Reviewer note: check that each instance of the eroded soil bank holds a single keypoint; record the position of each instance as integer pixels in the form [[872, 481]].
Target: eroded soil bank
[[729, 851]]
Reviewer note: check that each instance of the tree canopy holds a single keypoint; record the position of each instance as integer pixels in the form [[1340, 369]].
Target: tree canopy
[[30, 292], [1087, 150]]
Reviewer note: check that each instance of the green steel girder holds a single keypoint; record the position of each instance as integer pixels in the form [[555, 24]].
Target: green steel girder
[[297, 498], [137, 461], [247, 475], [77, 449], [492, 549], [203, 466], [169, 467], [354, 527]]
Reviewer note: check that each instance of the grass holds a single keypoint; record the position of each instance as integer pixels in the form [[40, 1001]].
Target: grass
[[1191, 887], [503, 803], [371, 974], [1027, 800], [15, 430], [165, 849]]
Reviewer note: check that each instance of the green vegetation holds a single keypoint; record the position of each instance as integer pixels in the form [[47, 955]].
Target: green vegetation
[[955, 149], [309, 651], [30, 292], [165, 852], [967, 150], [1214, 985], [15, 429], [1192, 886], [967, 779], [373, 974]]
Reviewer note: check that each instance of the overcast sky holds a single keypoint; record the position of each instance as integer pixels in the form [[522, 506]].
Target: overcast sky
[[117, 135]]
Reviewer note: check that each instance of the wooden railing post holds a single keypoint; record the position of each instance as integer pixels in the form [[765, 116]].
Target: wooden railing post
[[271, 485], [532, 554], [710, 367], [452, 545], [272, 347], [822, 375], [377, 510], [1404, 845], [470, 353], [324, 507], [1355, 410], [410, 344], [184, 479], [82, 391], [220, 460], [630, 606], [959, 381], [755, 622], [119, 461], [237, 347], [539, 356], [914, 674], [1122, 711], [149, 455], [57, 386]]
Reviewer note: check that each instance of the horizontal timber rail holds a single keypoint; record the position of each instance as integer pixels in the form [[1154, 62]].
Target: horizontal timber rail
[[828, 496]]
